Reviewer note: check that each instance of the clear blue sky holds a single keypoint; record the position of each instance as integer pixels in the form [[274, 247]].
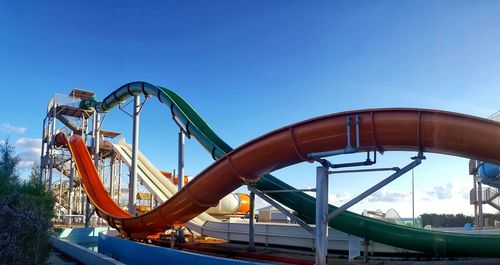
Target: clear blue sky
[[249, 67]]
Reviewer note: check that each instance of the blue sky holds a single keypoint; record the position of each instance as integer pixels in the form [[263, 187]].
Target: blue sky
[[249, 67]]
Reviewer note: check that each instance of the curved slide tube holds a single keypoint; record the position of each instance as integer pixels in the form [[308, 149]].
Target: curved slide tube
[[488, 170], [384, 129], [206, 225], [163, 187]]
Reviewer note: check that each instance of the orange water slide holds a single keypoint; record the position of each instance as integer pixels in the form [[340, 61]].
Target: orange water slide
[[175, 180], [380, 129]]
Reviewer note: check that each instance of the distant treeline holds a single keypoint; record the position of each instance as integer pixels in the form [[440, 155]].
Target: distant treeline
[[453, 220]]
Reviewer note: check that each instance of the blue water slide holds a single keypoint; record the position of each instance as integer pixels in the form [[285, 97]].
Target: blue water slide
[[488, 170]]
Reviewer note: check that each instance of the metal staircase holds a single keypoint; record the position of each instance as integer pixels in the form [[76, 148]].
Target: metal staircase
[[72, 126], [490, 196]]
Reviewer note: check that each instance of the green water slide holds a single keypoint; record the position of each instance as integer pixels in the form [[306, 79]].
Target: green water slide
[[431, 242]]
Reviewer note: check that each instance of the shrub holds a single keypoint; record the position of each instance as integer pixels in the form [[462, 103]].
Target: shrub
[[26, 211]]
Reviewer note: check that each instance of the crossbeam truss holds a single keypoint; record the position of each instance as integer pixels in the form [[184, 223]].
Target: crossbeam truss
[[323, 216]]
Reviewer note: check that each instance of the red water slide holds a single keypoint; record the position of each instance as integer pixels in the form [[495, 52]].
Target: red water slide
[[380, 129]]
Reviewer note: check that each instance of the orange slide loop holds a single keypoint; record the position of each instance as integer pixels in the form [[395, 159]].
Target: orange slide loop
[[235, 170], [418, 130], [374, 134], [296, 147], [244, 203], [389, 130], [190, 195]]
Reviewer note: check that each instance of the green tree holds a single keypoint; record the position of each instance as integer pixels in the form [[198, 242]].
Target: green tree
[[8, 167], [445, 220], [26, 211]]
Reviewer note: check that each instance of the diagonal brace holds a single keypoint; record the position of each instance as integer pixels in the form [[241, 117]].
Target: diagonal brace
[[417, 161], [281, 208]]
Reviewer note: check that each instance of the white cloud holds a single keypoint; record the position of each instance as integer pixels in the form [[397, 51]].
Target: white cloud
[[339, 198], [447, 192], [7, 128], [29, 143], [28, 157], [335, 199], [25, 164], [384, 195]]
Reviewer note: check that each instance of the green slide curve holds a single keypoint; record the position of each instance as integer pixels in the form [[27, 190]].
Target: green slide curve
[[431, 242]]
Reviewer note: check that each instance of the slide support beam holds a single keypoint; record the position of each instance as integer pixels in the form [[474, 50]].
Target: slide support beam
[[112, 174], [180, 176], [97, 136], [321, 231], [251, 225], [480, 204], [135, 148], [119, 192], [281, 209], [70, 190], [417, 161]]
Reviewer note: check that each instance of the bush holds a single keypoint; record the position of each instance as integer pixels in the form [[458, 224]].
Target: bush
[[26, 211]]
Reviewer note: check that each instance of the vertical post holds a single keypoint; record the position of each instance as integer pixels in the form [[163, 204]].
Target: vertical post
[[321, 230], [95, 142], [476, 216], [97, 136], [51, 167], [52, 140], [251, 226], [413, 196], [112, 177], [42, 164], [365, 250], [180, 177], [119, 193], [59, 213], [480, 203], [79, 199], [87, 211], [135, 147], [70, 190]]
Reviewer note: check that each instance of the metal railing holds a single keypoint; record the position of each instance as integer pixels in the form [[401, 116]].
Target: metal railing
[[59, 99]]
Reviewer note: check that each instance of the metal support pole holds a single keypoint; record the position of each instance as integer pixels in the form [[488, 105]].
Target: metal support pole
[[83, 129], [365, 250], [96, 140], [42, 164], [413, 196], [79, 202], [112, 177], [480, 204], [321, 231], [251, 226], [87, 211], [119, 193], [59, 214], [70, 190], [135, 149], [51, 168], [180, 177], [51, 144], [476, 215]]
